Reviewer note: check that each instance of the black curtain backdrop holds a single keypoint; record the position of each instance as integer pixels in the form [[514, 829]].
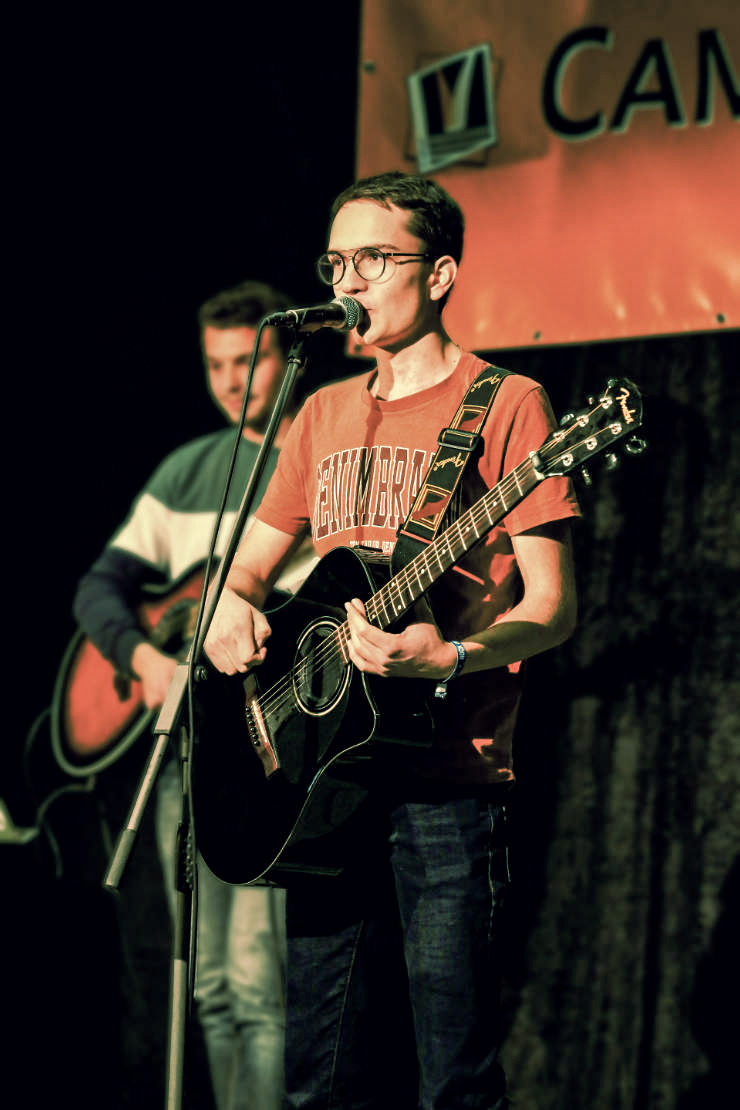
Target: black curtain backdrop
[[153, 163]]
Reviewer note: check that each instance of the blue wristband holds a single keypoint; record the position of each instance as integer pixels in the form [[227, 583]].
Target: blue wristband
[[440, 690]]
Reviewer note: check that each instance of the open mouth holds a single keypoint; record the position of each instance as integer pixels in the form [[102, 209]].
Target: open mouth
[[364, 323]]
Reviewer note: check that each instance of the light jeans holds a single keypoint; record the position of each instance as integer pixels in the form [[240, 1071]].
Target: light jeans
[[239, 971]]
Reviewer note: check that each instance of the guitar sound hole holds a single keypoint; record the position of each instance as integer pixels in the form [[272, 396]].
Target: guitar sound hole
[[320, 675]]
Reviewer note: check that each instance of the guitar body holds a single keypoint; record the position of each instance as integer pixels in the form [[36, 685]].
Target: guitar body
[[265, 805], [97, 714]]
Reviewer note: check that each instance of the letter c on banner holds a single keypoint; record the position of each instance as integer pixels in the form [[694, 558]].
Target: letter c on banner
[[578, 40]]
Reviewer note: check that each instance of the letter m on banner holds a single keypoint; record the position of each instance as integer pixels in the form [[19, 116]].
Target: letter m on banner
[[452, 108]]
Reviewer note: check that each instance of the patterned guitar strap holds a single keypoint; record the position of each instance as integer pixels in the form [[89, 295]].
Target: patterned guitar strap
[[435, 502]]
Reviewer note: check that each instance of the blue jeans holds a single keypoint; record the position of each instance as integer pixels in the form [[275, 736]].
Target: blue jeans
[[393, 999], [239, 972]]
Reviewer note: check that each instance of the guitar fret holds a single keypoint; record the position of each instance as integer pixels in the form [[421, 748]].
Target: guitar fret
[[341, 637], [456, 550], [417, 568], [462, 526], [467, 524], [399, 604], [376, 604], [489, 504], [428, 573]]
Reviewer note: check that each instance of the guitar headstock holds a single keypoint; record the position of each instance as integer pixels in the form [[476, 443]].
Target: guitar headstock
[[616, 413]]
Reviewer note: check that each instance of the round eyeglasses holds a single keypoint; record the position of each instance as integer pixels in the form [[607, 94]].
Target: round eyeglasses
[[369, 262]]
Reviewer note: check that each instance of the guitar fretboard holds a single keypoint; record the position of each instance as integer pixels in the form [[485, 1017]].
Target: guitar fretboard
[[406, 587]]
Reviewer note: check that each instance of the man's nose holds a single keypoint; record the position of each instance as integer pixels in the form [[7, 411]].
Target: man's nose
[[351, 281], [233, 376]]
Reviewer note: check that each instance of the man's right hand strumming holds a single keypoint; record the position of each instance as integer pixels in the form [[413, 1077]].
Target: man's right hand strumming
[[239, 630], [237, 634]]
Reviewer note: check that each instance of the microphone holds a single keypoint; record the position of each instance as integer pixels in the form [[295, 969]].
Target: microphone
[[344, 314]]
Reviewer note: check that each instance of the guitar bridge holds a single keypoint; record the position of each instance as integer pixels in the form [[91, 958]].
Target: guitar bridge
[[259, 737]]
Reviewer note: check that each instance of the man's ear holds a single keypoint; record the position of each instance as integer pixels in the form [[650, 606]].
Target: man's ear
[[442, 277]]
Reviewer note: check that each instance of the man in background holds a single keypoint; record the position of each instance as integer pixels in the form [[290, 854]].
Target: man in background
[[239, 983]]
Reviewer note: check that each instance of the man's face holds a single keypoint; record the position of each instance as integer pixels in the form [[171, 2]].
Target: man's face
[[228, 353], [398, 306]]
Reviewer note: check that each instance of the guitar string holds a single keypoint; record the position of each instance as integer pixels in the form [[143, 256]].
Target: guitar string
[[335, 643], [479, 513]]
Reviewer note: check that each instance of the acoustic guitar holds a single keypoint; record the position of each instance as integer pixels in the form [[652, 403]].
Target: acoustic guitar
[[277, 766], [96, 712]]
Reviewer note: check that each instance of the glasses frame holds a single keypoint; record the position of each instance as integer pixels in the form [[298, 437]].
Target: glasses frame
[[384, 254]]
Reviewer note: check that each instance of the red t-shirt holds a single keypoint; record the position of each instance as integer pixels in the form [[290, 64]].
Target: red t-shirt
[[349, 470]]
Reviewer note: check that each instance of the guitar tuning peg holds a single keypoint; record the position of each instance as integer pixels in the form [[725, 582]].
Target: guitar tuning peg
[[611, 461], [587, 479], [568, 418], [635, 445], [591, 400]]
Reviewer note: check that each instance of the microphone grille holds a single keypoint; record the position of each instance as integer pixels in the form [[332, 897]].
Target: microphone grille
[[354, 311]]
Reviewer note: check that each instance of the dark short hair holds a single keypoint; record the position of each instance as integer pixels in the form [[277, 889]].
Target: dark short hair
[[436, 218], [244, 305]]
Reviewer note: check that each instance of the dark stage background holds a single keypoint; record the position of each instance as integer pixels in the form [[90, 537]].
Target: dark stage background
[[153, 163]]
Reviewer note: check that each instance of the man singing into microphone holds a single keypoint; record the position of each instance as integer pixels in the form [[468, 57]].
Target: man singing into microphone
[[392, 983]]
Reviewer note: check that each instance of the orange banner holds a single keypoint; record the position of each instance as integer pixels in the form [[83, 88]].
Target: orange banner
[[594, 148]]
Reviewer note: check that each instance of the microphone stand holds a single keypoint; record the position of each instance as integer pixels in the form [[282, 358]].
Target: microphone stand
[[183, 944]]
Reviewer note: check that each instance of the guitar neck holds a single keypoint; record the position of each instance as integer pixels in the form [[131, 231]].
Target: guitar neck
[[406, 587], [609, 417]]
